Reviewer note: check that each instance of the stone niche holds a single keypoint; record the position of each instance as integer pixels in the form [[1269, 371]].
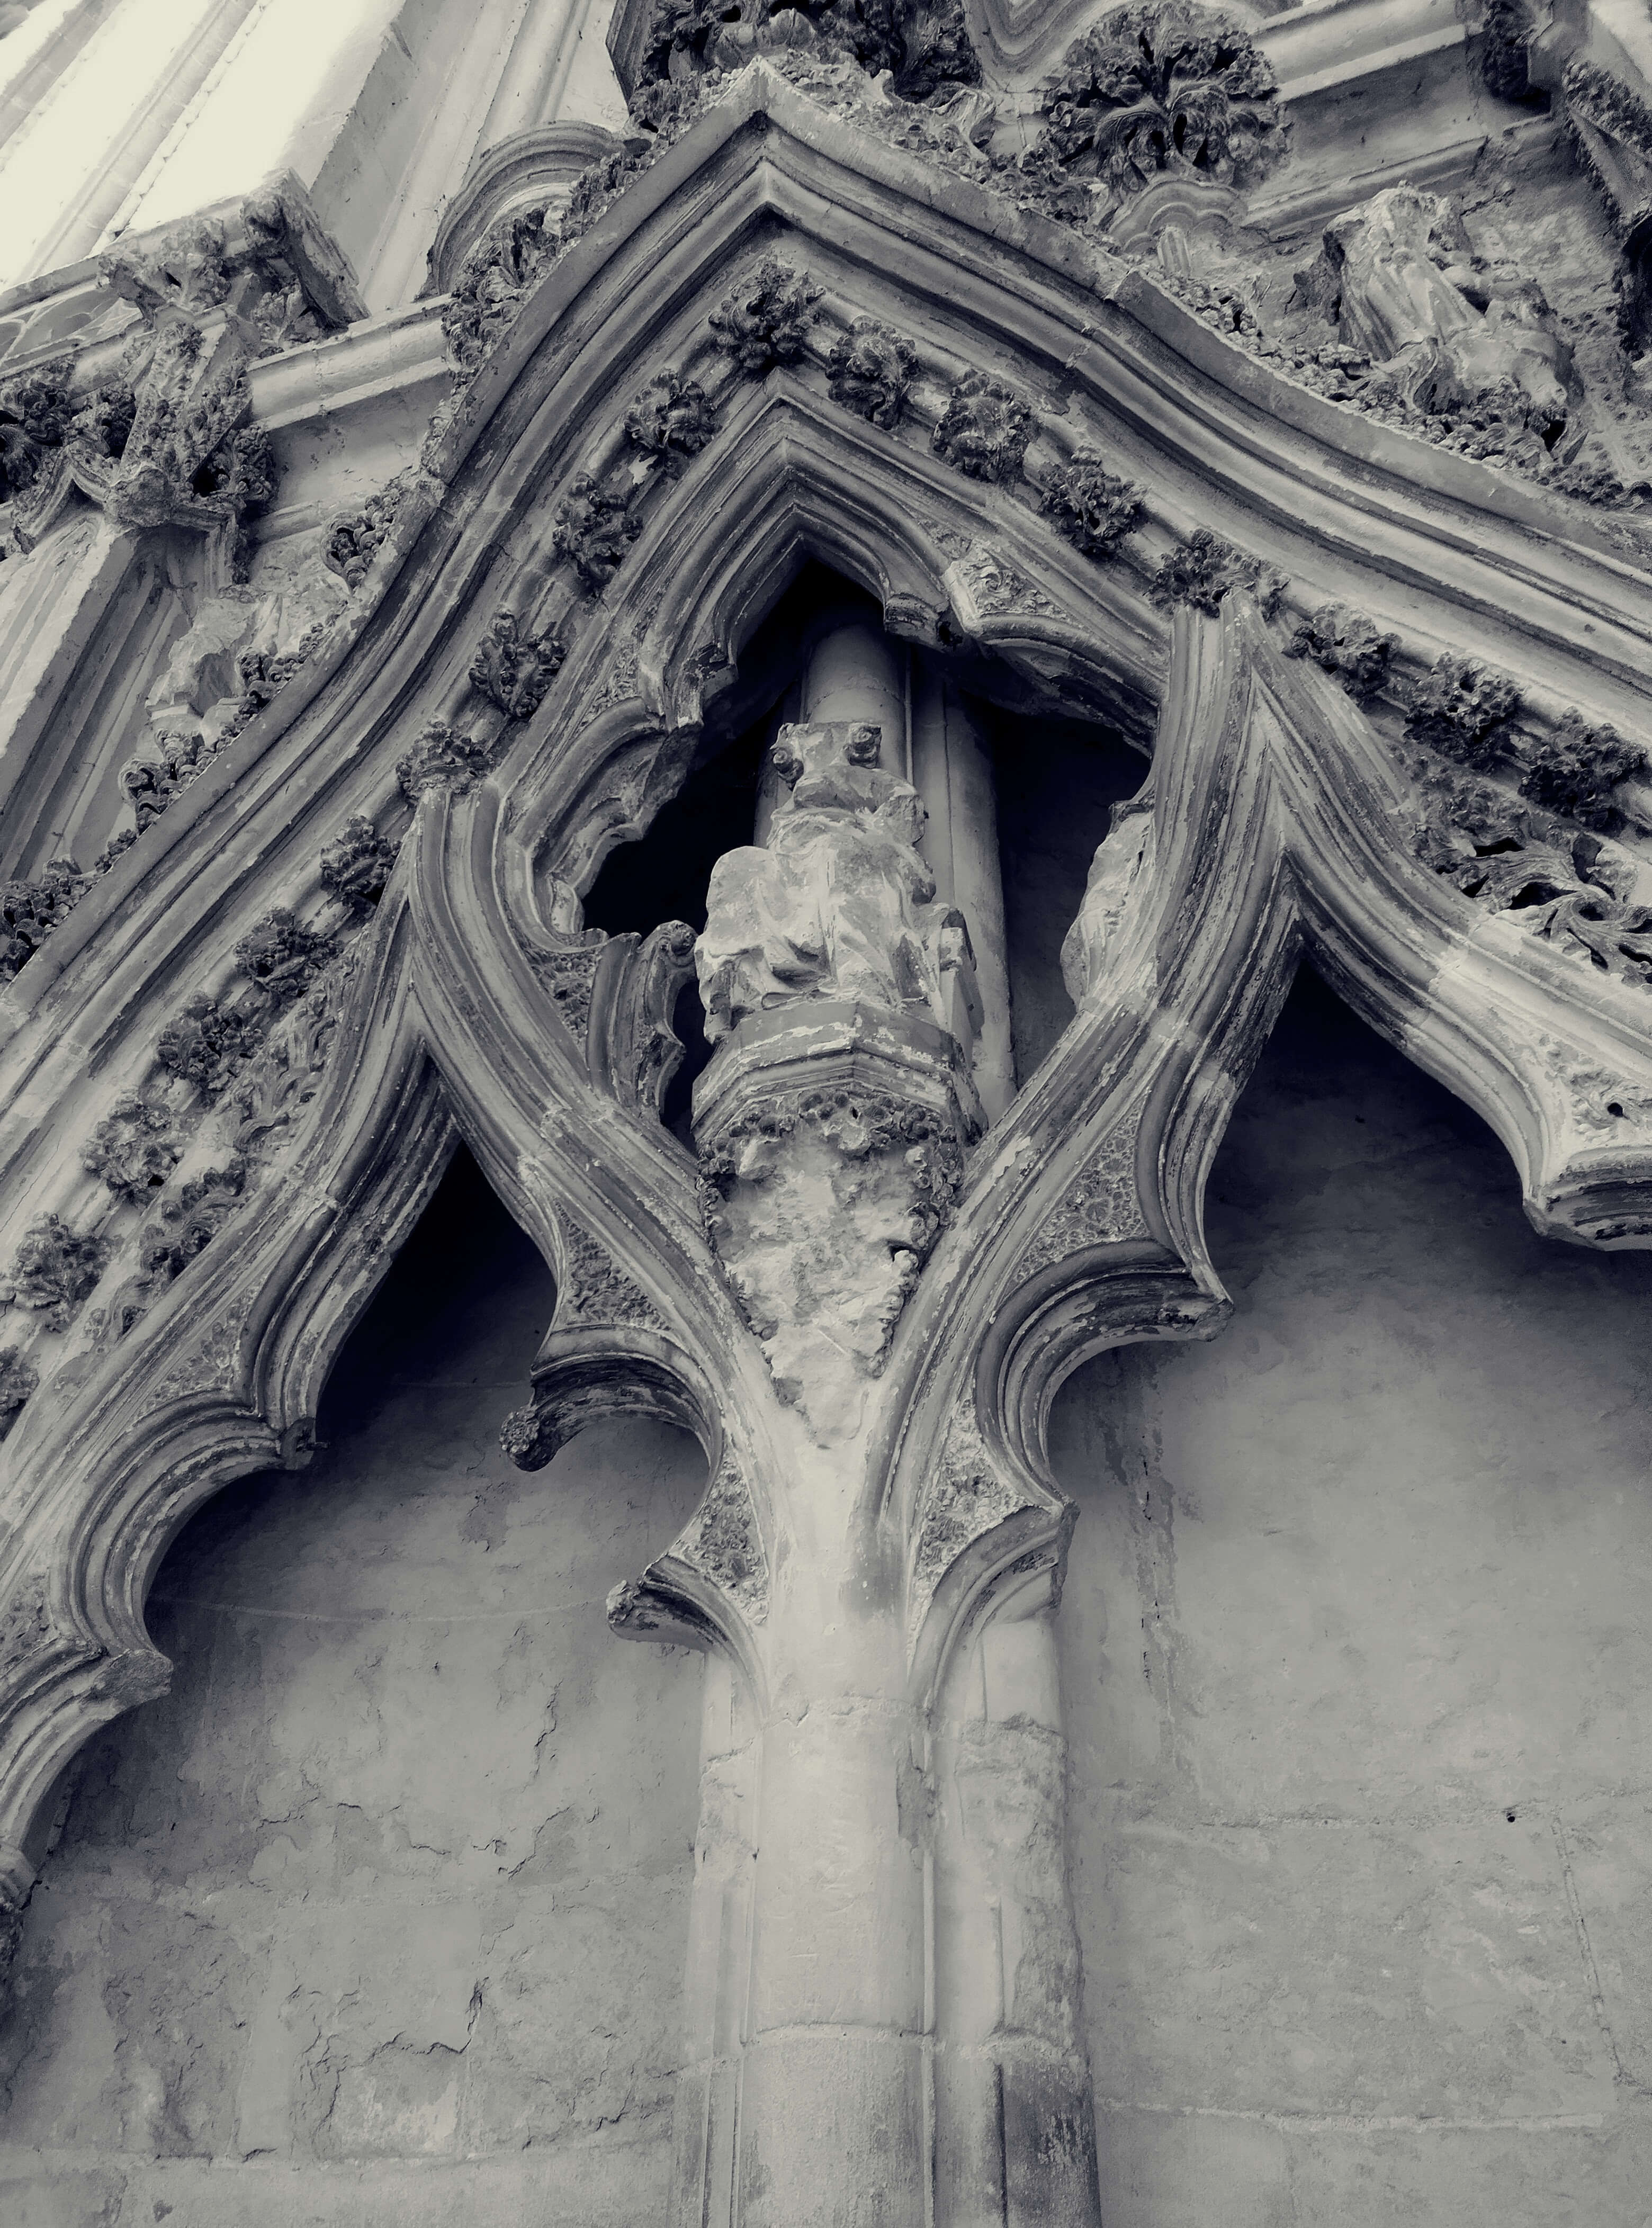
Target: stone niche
[[381, 1913]]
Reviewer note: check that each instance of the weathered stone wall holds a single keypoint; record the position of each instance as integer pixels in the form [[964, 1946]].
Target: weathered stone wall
[[1357, 1646], [379, 1916]]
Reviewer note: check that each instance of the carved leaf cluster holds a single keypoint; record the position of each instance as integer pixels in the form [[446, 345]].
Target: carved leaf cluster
[[354, 537], [35, 411], [1347, 644], [281, 957], [355, 868], [766, 320], [490, 287], [1462, 710], [1201, 568], [187, 1223], [151, 780], [18, 1380], [135, 1148], [1574, 770], [594, 526], [441, 759], [671, 419], [926, 47], [1089, 504], [514, 670], [30, 910], [985, 428], [56, 1269], [1163, 87], [869, 371]]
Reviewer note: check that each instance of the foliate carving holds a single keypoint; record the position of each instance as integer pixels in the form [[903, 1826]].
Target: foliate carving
[[1347, 644], [837, 903], [30, 910], [264, 674], [1164, 89], [186, 268], [354, 537], [25, 1629], [495, 278], [1610, 126], [1399, 278], [442, 758], [187, 1223], [513, 670], [287, 1073], [966, 1498], [1575, 770], [985, 428], [18, 1380], [722, 1542], [135, 1148], [567, 974], [208, 1040], [282, 956], [594, 526], [56, 1271], [166, 764], [1568, 887], [670, 421], [926, 48], [1201, 568], [355, 868], [36, 410], [1463, 709], [766, 320], [594, 1288], [1101, 1206], [870, 370], [1089, 504]]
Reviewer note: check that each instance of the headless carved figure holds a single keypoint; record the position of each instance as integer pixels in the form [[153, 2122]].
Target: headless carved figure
[[837, 904]]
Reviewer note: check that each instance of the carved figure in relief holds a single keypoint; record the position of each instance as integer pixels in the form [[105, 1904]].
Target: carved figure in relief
[[1398, 275], [837, 905]]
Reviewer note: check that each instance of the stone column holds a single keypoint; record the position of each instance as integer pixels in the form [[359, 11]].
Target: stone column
[[1014, 2130]]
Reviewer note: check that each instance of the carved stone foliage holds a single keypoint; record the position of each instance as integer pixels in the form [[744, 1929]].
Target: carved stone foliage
[[286, 1073], [1399, 278], [824, 1206], [514, 670], [163, 765], [1201, 568], [135, 1148], [593, 1288], [441, 759], [1610, 126], [722, 1542], [1349, 645], [766, 320], [36, 410], [1575, 769], [495, 277], [1462, 710], [18, 1380], [595, 524], [208, 1042], [869, 371], [670, 421], [926, 47], [188, 1222], [56, 1271], [30, 910], [966, 1498], [355, 868], [837, 904], [1164, 88], [354, 537], [985, 428], [567, 975], [1092, 506], [1101, 1206]]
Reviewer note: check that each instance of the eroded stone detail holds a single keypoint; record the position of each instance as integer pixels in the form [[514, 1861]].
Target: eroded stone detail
[[869, 371], [1610, 126], [1347, 644], [281, 957], [1575, 769], [1092, 507], [966, 1498], [19, 1379], [36, 413], [670, 421], [1163, 89], [1102, 1206], [722, 1542], [1120, 861], [766, 320], [286, 1076], [985, 428], [594, 1288], [596, 523], [514, 670], [356, 537], [30, 910], [837, 903], [188, 1222], [568, 974], [56, 1271], [1201, 568]]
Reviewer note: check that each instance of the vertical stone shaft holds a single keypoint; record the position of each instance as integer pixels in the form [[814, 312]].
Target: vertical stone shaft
[[1015, 2137], [951, 768]]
